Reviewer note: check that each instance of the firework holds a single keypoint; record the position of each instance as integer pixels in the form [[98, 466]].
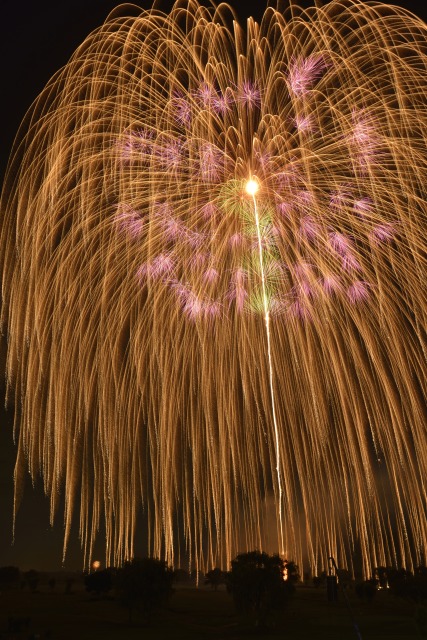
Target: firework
[[214, 266]]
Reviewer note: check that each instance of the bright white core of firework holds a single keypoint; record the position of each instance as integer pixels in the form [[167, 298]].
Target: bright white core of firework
[[251, 187]]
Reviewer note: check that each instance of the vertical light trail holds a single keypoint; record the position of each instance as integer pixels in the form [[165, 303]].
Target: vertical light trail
[[252, 187], [127, 258]]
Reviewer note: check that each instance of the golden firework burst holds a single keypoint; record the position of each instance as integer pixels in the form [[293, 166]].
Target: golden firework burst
[[213, 253]]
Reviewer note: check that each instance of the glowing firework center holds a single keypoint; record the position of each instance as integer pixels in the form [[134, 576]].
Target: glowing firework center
[[252, 187], [222, 246]]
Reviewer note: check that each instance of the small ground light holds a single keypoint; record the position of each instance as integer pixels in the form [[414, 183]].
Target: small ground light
[[251, 187], [96, 565]]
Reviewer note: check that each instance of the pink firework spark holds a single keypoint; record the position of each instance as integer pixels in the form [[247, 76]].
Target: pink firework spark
[[331, 284], [172, 228], [304, 124], [194, 238], [169, 154], [237, 290], [358, 291], [340, 242], [304, 72], [305, 198], [182, 109], [162, 265], [363, 206], [302, 290], [263, 160], [211, 309], [198, 259], [288, 178], [136, 146], [350, 262], [309, 228], [222, 103], [129, 220], [211, 275], [211, 164], [364, 140], [205, 94], [340, 197], [249, 94], [236, 240], [284, 208], [363, 133], [302, 270], [383, 233], [209, 210], [299, 309]]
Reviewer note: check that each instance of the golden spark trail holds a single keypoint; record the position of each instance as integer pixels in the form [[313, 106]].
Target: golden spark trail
[[252, 188], [206, 367]]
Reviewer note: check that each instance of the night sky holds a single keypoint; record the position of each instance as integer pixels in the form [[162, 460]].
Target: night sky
[[37, 39]]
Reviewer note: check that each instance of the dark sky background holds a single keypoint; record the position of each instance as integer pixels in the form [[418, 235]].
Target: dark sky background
[[37, 38]]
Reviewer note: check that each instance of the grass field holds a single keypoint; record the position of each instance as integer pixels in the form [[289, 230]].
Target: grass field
[[202, 614]]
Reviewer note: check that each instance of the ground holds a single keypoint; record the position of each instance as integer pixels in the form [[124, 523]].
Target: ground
[[202, 614]]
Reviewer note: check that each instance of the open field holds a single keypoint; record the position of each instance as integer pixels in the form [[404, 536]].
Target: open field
[[199, 614]]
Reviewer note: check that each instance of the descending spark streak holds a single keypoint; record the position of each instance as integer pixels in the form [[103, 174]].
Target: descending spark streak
[[252, 189], [245, 380]]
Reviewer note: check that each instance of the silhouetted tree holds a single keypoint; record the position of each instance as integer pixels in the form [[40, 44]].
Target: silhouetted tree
[[319, 581], [291, 571], [16, 624], [99, 582], [145, 584], [344, 577], [398, 580], [215, 577], [407, 585], [421, 620], [257, 585], [380, 573], [69, 585], [9, 576], [367, 589], [32, 578], [420, 578], [182, 576]]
